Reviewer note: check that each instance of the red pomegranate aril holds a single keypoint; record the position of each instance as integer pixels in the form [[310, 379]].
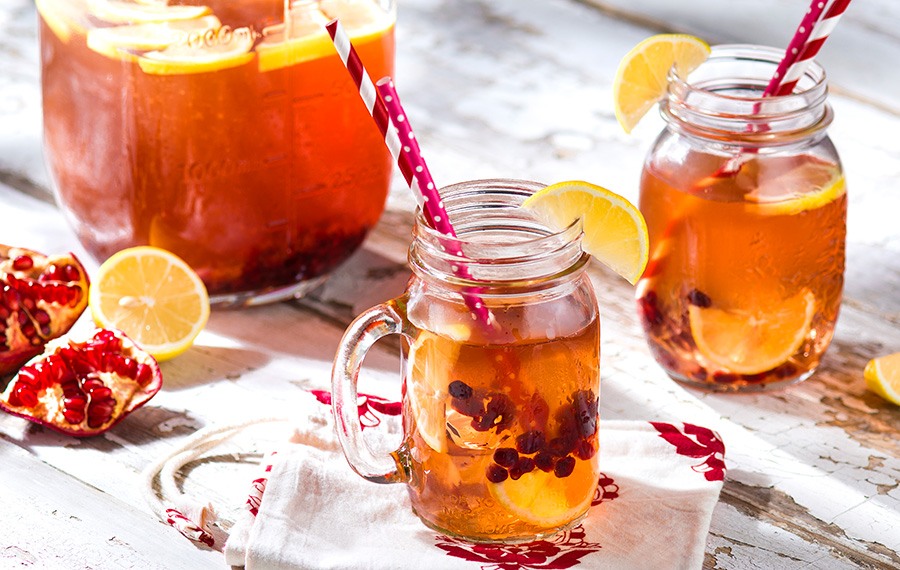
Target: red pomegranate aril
[[144, 374], [23, 263], [564, 467], [544, 461], [506, 456], [73, 415], [496, 473], [71, 273], [25, 396]]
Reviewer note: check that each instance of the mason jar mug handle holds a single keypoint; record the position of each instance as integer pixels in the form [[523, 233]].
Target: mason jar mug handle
[[373, 324]]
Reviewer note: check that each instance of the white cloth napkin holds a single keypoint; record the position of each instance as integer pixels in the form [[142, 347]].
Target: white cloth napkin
[[309, 510]]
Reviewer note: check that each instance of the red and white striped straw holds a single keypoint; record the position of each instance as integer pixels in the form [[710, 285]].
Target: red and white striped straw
[[393, 124], [814, 29]]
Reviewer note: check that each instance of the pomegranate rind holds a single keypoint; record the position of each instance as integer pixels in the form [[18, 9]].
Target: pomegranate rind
[[110, 374], [41, 297]]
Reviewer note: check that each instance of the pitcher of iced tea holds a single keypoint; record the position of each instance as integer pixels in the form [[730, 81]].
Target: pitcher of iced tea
[[500, 415], [746, 207], [226, 131]]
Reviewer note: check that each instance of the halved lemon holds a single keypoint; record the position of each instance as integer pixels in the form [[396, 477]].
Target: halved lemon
[[120, 42], [125, 12], [614, 230], [883, 377], [546, 500], [750, 342], [304, 37], [228, 50], [153, 296], [640, 80]]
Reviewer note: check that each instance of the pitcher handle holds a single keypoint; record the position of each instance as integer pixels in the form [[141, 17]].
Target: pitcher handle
[[363, 332]]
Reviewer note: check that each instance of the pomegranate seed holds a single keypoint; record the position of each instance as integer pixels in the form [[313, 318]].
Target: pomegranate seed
[[22, 263], [561, 446], [564, 467], [101, 393], [144, 375], [73, 416], [584, 449], [71, 273], [505, 456], [530, 442], [699, 298], [496, 474], [51, 273], [76, 403], [650, 310], [459, 389], [523, 465], [544, 461]]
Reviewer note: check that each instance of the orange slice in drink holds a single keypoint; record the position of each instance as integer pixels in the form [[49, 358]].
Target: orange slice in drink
[[63, 17], [641, 78], [152, 296], [789, 193], [304, 38], [129, 12], [614, 230], [546, 500], [883, 377], [124, 42], [432, 358], [228, 48], [750, 342]]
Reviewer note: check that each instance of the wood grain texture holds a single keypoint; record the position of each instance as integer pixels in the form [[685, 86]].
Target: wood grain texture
[[502, 88]]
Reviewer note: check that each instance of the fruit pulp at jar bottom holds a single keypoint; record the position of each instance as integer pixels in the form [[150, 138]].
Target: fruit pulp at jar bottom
[[492, 427], [739, 262], [257, 179]]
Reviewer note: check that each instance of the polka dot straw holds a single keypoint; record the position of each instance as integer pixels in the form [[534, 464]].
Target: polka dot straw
[[393, 123], [820, 20]]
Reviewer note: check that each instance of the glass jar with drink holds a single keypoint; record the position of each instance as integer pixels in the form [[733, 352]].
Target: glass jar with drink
[[500, 413], [225, 131], [745, 202]]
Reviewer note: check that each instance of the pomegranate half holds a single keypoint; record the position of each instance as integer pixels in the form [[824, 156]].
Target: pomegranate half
[[83, 388], [41, 297]]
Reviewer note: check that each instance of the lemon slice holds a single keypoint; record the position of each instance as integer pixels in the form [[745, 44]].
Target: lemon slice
[[124, 12], [830, 188], [304, 38], [120, 42], [63, 17], [614, 230], [747, 342], [152, 296], [546, 500], [883, 377], [229, 50], [640, 80], [432, 358]]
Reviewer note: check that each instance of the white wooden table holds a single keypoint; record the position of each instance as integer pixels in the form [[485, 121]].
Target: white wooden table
[[503, 88]]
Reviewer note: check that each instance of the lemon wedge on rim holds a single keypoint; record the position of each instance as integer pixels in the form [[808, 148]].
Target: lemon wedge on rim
[[641, 78], [614, 230], [152, 296]]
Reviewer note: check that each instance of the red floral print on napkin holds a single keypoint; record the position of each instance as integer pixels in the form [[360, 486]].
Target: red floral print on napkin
[[563, 551], [367, 407], [698, 442]]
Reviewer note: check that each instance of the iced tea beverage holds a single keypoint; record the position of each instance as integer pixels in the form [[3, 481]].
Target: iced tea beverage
[[226, 131], [746, 209], [501, 420]]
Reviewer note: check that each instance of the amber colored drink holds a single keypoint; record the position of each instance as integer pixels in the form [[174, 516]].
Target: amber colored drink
[[503, 437], [257, 165], [746, 270]]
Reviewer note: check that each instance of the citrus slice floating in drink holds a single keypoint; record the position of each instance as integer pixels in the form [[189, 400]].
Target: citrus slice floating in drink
[[152, 296], [306, 38], [789, 193], [546, 500], [121, 42], [614, 230], [229, 48], [748, 342], [125, 12], [883, 377], [63, 17], [433, 356], [641, 78]]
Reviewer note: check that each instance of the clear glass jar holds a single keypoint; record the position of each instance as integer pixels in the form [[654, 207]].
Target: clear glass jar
[[496, 410], [226, 131], [745, 202]]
